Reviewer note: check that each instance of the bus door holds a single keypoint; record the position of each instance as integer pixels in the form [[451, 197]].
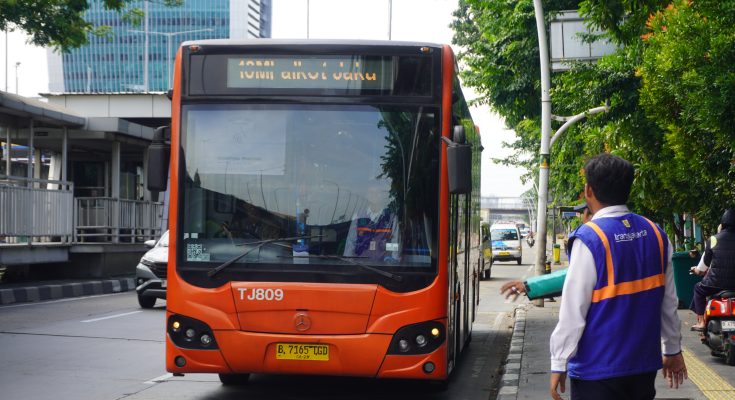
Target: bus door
[[453, 280]]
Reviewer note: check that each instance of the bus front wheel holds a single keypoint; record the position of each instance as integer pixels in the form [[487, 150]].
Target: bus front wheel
[[234, 379]]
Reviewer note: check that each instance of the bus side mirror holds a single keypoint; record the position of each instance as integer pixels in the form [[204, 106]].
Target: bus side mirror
[[459, 162], [159, 153]]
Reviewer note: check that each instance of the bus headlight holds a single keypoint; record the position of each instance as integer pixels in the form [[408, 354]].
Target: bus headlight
[[190, 333], [421, 338]]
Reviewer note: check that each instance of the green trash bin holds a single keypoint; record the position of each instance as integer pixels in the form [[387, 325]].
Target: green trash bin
[[684, 281]]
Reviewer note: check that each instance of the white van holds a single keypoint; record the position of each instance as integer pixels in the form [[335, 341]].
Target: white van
[[506, 242]]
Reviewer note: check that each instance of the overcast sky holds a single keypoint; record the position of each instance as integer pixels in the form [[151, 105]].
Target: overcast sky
[[412, 20]]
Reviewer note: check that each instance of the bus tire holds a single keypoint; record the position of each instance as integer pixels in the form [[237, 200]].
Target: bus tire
[[519, 260], [146, 301], [234, 379]]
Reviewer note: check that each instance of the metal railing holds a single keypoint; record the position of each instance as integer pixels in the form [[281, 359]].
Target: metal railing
[[106, 219], [29, 212]]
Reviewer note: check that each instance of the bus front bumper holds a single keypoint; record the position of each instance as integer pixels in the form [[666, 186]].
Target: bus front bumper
[[349, 355]]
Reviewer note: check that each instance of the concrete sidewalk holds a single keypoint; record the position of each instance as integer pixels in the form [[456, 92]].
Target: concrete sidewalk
[[11, 293], [527, 369]]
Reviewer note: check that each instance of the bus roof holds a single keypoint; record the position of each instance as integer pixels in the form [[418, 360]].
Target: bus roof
[[308, 42]]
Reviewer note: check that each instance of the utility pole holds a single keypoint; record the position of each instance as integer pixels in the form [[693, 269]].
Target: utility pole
[[17, 64], [543, 179], [145, 48], [390, 19], [6, 61], [546, 140], [169, 57]]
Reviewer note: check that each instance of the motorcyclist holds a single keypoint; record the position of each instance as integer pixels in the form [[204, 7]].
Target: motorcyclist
[[717, 266]]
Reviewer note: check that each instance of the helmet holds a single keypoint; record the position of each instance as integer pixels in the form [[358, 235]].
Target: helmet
[[728, 218]]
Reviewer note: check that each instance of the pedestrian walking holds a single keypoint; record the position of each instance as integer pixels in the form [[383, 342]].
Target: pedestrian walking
[[619, 280], [718, 267]]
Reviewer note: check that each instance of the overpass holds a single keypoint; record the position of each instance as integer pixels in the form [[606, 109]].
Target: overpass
[[495, 208]]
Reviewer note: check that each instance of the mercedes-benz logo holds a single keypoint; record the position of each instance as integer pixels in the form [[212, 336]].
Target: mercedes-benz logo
[[302, 322]]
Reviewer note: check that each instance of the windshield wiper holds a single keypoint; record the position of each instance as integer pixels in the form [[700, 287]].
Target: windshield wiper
[[378, 271], [214, 271]]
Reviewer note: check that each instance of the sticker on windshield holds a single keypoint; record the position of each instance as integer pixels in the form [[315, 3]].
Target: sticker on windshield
[[195, 252], [391, 247]]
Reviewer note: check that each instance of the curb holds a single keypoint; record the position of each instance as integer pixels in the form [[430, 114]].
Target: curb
[[57, 291], [512, 374]]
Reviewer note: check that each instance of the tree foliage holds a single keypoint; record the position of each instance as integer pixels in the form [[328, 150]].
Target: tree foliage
[[670, 86], [688, 74], [61, 23]]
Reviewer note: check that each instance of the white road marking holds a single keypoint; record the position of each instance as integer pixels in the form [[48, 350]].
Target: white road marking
[[159, 379], [111, 316], [44, 302]]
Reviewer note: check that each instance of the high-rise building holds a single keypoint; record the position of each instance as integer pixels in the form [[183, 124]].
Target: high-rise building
[[139, 58]]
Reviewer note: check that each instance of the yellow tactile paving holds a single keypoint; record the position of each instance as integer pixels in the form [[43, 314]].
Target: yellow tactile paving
[[706, 379]]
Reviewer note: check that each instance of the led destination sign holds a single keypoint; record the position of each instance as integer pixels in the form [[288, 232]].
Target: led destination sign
[[340, 73]]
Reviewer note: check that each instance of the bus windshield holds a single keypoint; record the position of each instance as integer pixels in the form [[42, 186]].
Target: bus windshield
[[338, 183]]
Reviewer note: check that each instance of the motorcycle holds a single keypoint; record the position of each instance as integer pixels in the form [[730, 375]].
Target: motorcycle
[[719, 322], [530, 241]]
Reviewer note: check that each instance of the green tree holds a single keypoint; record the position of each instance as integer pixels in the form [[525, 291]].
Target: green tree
[[688, 73], [500, 61], [61, 23], [671, 96]]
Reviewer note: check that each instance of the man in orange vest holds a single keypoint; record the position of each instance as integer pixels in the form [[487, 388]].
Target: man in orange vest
[[619, 276]]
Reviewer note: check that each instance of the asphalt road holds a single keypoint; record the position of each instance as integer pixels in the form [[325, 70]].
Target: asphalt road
[[106, 347]]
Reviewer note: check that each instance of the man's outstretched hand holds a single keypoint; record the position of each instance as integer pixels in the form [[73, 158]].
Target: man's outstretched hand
[[513, 288]]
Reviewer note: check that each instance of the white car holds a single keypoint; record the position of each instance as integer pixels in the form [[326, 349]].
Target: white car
[[150, 274], [506, 242]]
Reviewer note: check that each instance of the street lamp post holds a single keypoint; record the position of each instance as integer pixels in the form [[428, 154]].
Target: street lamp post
[[6, 61], [543, 179], [547, 140], [390, 19], [168, 36], [17, 64]]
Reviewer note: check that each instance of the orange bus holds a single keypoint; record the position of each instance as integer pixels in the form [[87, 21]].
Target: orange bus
[[324, 210]]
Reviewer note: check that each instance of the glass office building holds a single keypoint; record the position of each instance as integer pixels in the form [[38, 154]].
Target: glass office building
[[117, 62]]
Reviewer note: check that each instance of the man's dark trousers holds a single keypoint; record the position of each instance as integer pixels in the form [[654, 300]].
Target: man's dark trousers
[[632, 387]]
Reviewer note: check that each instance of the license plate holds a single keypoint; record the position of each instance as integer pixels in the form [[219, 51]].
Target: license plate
[[504, 253], [163, 284], [300, 351], [728, 325]]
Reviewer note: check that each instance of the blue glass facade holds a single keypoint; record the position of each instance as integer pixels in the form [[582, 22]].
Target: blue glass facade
[[116, 63]]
